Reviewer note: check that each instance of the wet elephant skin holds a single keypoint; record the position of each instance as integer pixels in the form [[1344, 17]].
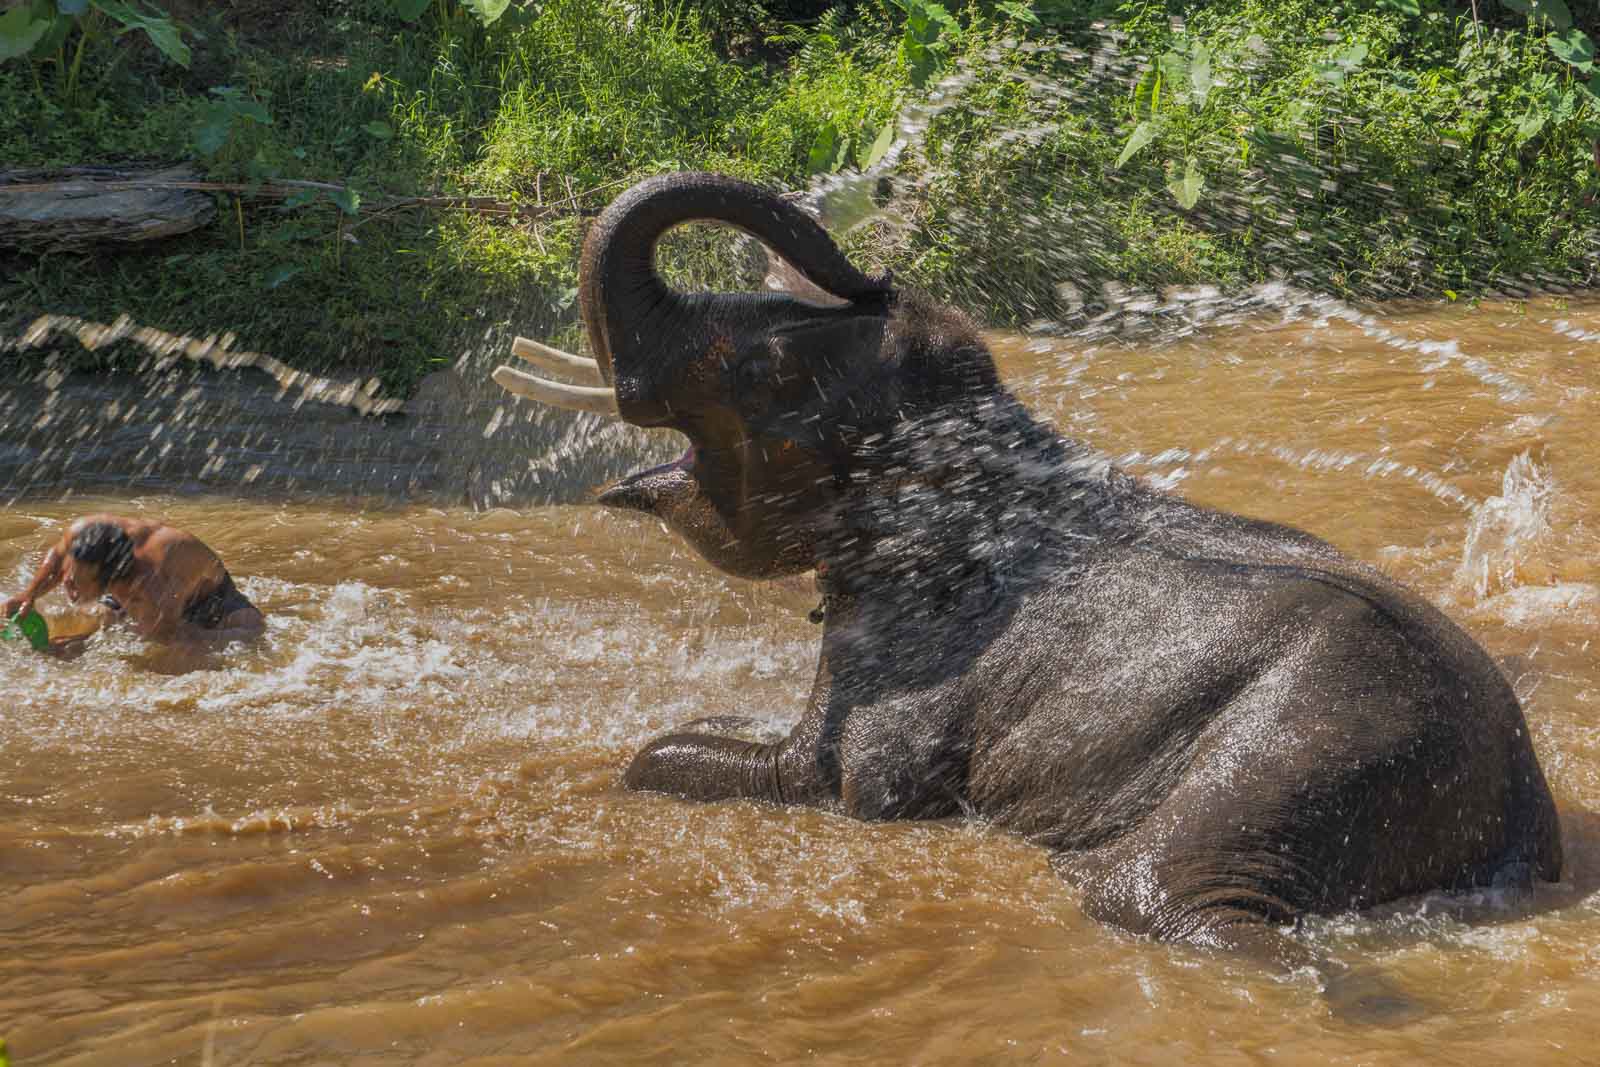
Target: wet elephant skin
[[1216, 724]]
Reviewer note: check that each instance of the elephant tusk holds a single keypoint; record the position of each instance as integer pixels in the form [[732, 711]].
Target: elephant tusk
[[601, 401], [555, 359]]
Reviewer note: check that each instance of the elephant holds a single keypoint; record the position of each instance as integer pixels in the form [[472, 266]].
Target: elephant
[[1216, 725]]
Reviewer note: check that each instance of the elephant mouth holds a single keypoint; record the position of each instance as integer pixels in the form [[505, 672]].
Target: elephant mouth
[[648, 489], [655, 490]]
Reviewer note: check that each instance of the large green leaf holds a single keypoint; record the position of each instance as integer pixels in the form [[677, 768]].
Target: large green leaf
[[825, 150], [880, 146], [1530, 124], [1175, 71], [1142, 135], [1199, 74], [1346, 61], [19, 32], [212, 131], [410, 10], [60, 25], [1574, 47], [1555, 11], [349, 200], [163, 32], [1186, 190], [486, 10]]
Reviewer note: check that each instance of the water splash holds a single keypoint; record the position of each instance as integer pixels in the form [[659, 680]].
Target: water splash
[[1505, 530], [216, 350]]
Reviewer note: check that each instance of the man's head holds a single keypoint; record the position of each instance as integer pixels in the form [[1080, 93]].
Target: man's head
[[99, 554]]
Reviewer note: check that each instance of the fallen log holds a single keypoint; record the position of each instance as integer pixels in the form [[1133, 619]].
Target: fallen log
[[73, 208]]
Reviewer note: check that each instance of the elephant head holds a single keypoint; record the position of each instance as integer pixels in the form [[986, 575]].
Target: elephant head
[[774, 392]]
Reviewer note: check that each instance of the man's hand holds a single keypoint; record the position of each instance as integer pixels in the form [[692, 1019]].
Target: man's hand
[[17, 605]]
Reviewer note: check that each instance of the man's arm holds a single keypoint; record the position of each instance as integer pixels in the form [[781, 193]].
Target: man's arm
[[45, 579]]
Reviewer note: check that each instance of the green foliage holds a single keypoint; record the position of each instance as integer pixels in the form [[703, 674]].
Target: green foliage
[[1175, 88], [926, 41], [221, 117], [487, 12], [59, 32], [553, 107], [1377, 149]]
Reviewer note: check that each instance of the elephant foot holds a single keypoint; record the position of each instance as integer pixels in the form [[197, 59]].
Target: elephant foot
[[1360, 996]]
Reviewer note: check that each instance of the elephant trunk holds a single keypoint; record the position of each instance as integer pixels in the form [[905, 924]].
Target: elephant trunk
[[636, 320]]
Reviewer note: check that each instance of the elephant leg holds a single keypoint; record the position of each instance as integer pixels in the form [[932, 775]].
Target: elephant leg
[[700, 761], [698, 766], [1253, 930]]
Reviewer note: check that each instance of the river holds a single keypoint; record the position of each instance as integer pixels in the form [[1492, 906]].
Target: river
[[391, 832]]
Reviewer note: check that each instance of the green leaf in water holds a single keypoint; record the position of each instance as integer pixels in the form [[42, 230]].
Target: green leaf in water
[[1142, 135], [1186, 190], [381, 130]]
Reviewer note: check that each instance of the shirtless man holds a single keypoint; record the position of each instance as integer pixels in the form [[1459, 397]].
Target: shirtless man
[[172, 587]]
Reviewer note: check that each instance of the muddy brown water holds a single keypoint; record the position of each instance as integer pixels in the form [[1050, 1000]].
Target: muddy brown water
[[391, 832]]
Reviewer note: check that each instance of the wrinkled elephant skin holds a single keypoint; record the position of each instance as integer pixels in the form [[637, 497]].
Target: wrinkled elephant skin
[[1215, 724]]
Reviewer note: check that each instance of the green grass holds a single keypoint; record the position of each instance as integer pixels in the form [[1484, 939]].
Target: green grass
[[569, 105], [1445, 156]]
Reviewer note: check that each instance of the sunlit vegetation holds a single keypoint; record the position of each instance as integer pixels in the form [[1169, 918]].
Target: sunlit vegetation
[[1373, 148]]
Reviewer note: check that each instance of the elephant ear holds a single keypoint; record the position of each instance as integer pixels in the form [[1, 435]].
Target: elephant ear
[[939, 356]]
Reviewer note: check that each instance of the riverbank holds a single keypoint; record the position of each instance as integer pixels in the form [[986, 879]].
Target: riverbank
[[1072, 151]]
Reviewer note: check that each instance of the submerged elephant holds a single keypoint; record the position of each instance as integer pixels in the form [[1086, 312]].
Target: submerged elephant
[[1215, 724]]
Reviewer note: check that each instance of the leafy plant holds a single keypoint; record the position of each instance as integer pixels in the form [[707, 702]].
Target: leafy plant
[[49, 31], [221, 117], [1576, 50], [1180, 81], [486, 12], [926, 41]]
